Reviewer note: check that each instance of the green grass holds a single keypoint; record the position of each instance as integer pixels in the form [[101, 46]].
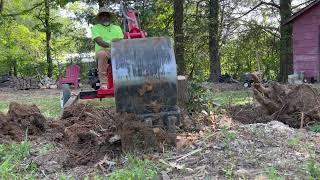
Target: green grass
[[227, 98], [272, 173], [50, 105], [315, 128], [228, 136], [208, 100], [4, 106], [97, 102], [11, 156], [135, 169], [313, 170]]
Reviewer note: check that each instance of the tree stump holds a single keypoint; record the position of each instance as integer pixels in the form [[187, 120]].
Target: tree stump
[[183, 95], [294, 105]]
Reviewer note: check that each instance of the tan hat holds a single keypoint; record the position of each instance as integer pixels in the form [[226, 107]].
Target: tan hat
[[105, 10]]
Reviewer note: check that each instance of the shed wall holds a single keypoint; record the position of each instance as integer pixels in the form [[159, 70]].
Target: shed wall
[[306, 43]]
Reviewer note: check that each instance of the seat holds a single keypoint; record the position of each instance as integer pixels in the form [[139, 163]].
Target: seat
[[72, 76]]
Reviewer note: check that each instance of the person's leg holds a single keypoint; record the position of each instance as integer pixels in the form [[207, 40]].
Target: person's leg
[[103, 57]]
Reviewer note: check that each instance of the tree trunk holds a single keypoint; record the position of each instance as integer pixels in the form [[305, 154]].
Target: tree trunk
[[103, 3], [1, 6], [48, 38], [215, 68], [286, 60], [15, 71], [179, 36]]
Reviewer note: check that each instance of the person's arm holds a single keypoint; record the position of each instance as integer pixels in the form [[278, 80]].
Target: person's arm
[[101, 42], [96, 36]]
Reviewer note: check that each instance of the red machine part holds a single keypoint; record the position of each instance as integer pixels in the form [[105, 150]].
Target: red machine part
[[133, 26], [134, 32], [107, 93]]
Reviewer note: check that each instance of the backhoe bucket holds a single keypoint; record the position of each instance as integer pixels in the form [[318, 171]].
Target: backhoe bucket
[[145, 76]]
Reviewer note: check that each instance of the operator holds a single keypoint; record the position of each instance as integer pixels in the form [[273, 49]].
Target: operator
[[103, 33]]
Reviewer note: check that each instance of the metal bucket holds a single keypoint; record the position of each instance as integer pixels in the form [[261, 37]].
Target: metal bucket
[[145, 75]]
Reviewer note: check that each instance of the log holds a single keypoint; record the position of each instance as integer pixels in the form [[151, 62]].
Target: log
[[183, 95]]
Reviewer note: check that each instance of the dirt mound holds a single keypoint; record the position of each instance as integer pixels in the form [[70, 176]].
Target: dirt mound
[[92, 134], [295, 105], [87, 134], [248, 114], [138, 136], [221, 87], [21, 119]]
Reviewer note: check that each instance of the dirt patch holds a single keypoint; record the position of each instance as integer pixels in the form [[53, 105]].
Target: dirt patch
[[248, 114], [87, 134], [221, 87], [91, 134], [21, 120], [247, 152], [141, 137]]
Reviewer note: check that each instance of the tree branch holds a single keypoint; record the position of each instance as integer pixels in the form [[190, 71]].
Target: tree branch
[[24, 11], [258, 5]]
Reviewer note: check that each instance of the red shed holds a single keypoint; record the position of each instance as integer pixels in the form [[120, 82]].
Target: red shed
[[306, 40]]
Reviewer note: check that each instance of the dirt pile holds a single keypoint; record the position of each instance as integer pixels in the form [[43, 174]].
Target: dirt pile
[[92, 134], [295, 105], [21, 120], [249, 114], [87, 134], [221, 87]]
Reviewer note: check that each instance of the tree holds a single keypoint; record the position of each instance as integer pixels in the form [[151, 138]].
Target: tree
[[215, 68], [286, 60], [47, 26], [1, 6], [18, 46], [26, 37], [179, 36]]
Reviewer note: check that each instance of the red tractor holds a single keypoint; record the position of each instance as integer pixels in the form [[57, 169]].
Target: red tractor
[[142, 76]]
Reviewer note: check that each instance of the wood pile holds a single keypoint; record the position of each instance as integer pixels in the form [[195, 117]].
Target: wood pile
[[21, 83]]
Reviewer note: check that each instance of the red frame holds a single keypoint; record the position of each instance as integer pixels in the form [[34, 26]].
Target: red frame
[[133, 33]]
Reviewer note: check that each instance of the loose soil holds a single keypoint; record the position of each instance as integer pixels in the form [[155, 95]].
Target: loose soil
[[87, 134], [249, 114], [221, 87], [87, 138], [20, 121]]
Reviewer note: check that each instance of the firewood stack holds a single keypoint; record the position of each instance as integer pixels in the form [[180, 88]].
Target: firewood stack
[[22, 83]]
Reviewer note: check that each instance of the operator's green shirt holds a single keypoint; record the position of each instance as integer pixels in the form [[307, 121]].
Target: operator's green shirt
[[107, 33]]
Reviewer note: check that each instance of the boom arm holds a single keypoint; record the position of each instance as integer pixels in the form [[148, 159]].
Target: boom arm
[[131, 23]]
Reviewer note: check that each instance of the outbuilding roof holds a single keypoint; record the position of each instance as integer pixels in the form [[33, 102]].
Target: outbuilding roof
[[302, 11]]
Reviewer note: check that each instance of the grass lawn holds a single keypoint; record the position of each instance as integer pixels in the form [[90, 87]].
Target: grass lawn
[[47, 101], [227, 98]]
